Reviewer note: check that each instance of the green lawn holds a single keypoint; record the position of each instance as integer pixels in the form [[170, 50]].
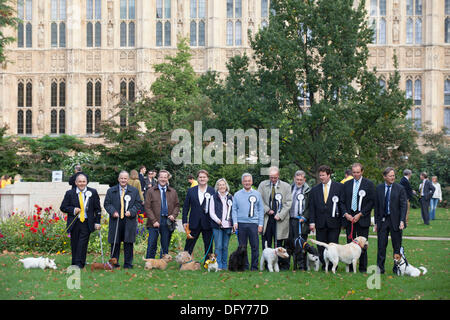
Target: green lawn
[[18, 283]]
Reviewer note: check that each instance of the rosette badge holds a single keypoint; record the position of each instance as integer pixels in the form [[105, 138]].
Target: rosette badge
[[229, 204], [252, 199], [335, 200], [362, 194], [207, 198], [127, 199], [300, 198]]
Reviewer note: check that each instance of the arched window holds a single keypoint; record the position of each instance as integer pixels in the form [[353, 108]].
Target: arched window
[[20, 122], [29, 33], [418, 36], [29, 122], [123, 34], [417, 92], [98, 119], [131, 33], [193, 33], [89, 121], [159, 34], [128, 23], [409, 89], [54, 34], [418, 119], [167, 34], [447, 92], [98, 34], [382, 31], [53, 121], [62, 121], [409, 31], [89, 35]]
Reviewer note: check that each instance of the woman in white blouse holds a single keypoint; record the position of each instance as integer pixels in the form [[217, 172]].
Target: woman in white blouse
[[220, 213], [437, 196]]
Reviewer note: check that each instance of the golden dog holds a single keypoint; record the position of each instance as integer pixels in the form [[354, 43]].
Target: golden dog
[[186, 261], [158, 263]]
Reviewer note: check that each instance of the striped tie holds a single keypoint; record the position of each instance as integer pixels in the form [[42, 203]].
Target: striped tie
[[80, 198], [355, 195]]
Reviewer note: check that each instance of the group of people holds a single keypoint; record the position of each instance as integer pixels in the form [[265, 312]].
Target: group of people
[[7, 180], [279, 211]]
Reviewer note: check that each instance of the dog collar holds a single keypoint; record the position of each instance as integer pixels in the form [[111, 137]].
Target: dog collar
[[357, 243]]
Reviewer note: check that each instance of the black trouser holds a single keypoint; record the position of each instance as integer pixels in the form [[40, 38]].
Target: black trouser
[[293, 235], [271, 229], [207, 236], [424, 208], [127, 246], [249, 232], [79, 240], [326, 235], [383, 230], [358, 231]]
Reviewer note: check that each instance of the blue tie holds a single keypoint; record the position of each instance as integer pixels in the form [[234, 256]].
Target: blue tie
[[355, 195], [387, 200], [164, 210]]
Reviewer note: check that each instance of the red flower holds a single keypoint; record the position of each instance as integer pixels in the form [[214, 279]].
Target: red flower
[[35, 224], [27, 225], [22, 234], [1, 235], [43, 230], [56, 219], [33, 230]]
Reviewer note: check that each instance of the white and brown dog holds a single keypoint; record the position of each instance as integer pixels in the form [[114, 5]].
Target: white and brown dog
[[157, 263], [271, 257], [348, 253], [41, 262], [403, 268]]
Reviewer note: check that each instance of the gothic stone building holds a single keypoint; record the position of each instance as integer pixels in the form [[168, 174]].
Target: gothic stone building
[[73, 59]]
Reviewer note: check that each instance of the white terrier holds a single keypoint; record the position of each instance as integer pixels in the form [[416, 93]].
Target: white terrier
[[41, 262], [271, 256]]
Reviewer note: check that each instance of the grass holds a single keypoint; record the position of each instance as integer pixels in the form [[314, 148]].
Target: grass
[[17, 283]]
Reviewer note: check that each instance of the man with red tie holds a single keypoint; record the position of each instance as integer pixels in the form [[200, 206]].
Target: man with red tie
[[82, 205]]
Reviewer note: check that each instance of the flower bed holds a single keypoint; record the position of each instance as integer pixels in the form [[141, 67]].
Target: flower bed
[[45, 231]]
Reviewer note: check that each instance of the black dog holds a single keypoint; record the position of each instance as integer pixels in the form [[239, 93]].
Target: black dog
[[237, 259], [299, 255]]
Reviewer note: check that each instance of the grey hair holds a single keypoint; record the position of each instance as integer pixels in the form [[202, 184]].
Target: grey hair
[[216, 187], [407, 172], [246, 174], [300, 173], [78, 167], [124, 171]]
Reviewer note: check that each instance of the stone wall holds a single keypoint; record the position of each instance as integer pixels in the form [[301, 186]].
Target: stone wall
[[22, 196]]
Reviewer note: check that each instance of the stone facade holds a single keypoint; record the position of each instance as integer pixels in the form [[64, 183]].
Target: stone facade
[[74, 58]]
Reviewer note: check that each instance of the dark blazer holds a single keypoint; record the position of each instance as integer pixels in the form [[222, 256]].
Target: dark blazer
[[428, 190], [409, 191], [218, 209], [397, 205], [93, 209], [112, 204], [153, 204], [367, 204], [320, 213], [198, 219]]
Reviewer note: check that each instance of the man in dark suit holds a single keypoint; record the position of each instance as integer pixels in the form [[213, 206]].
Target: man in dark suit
[[82, 205], [142, 170], [324, 212], [197, 203], [410, 193], [426, 190], [162, 206], [356, 219], [122, 205], [390, 215]]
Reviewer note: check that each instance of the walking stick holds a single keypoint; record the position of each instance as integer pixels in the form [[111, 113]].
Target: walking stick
[[101, 245]]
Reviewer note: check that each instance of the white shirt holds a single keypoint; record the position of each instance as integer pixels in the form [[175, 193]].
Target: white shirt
[[84, 201], [201, 195]]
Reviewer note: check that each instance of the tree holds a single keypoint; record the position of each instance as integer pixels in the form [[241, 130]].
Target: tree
[[175, 101], [312, 82], [7, 19]]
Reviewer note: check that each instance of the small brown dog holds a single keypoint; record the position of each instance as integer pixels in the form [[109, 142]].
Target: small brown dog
[[157, 263], [104, 266], [186, 261]]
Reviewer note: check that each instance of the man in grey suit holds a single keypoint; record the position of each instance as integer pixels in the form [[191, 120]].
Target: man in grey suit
[[122, 205], [390, 215], [426, 191]]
